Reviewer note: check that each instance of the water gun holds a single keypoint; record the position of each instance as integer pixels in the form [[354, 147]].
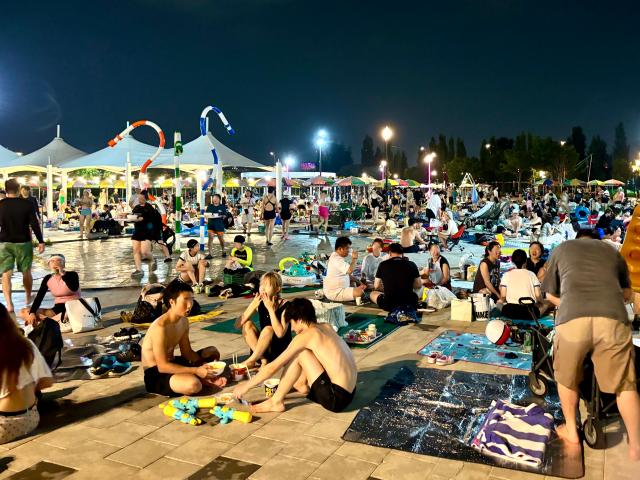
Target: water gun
[[180, 415], [191, 405], [226, 414]]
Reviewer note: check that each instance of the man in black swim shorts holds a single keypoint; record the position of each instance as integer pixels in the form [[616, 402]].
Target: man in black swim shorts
[[317, 363]]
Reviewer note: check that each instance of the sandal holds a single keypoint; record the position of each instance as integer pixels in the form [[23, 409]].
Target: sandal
[[443, 360], [122, 335]]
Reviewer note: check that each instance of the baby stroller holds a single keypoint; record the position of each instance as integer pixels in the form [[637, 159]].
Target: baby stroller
[[601, 407]]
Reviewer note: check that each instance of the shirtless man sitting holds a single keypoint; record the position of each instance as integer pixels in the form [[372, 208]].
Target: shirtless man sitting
[[317, 363], [186, 374], [410, 238]]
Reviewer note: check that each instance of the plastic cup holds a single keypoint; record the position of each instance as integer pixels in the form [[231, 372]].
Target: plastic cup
[[270, 386]]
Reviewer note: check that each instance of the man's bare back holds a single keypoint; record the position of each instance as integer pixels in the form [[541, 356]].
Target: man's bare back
[[173, 334]]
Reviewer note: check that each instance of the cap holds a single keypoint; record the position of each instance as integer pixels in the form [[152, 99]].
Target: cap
[[56, 255], [239, 239], [192, 243]]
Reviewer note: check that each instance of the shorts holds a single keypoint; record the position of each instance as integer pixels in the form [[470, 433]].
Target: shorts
[[331, 396], [85, 211], [18, 424], [340, 294], [323, 212], [140, 236], [285, 215], [516, 311], [156, 382], [412, 249], [18, 254], [269, 214], [609, 343], [388, 305]]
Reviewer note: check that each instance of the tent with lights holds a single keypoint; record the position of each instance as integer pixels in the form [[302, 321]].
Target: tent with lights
[[6, 155], [55, 153]]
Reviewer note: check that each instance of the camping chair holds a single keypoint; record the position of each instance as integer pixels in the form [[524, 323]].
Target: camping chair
[[455, 239]]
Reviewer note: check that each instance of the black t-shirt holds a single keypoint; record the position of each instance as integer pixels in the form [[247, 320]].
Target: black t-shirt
[[535, 267], [397, 275], [16, 216], [277, 345], [146, 226]]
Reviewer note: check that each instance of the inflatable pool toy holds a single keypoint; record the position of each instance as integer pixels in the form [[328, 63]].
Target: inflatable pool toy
[[143, 179], [582, 214], [283, 263], [497, 332], [631, 249]]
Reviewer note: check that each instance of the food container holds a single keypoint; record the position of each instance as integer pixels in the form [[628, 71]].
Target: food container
[[270, 386], [217, 367], [238, 371], [131, 218], [225, 398], [372, 331]]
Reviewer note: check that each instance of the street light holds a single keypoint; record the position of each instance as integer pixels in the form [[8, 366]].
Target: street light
[[562, 142], [487, 146], [395, 176], [386, 133], [429, 157], [384, 171], [320, 141], [289, 160]]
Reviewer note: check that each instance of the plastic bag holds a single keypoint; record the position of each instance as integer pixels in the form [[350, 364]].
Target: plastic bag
[[440, 297]]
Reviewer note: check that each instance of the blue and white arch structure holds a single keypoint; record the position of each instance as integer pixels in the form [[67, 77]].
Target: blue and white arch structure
[[215, 178]]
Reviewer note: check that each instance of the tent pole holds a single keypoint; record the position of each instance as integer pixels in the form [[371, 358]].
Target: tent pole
[[200, 195], [50, 212], [177, 151], [128, 179]]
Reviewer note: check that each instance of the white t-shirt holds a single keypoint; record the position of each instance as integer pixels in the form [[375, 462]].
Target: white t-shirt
[[452, 227], [39, 369], [370, 265], [435, 204], [519, 283], [337, 276], [186, 257]]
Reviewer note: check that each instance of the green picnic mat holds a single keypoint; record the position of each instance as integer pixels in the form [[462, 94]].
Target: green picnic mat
[[227, 325], [360, 321], [300, 289], [356, 321]]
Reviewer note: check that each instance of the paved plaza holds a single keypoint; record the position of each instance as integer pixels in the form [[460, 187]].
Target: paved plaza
[[108, 428]]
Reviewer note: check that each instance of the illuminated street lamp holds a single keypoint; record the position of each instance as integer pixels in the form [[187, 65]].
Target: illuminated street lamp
[[429, 157], [320, 141], [386, 134], [562, 142], [289, 160], [395, 176], [384, 171]]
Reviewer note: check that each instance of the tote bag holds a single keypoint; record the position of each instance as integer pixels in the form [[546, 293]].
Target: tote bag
[[84, 314]]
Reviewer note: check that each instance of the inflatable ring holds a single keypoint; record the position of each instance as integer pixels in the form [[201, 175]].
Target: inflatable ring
[[282, 263], [582, 213]]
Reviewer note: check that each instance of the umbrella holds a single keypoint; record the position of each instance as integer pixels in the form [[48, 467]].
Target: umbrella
[[595, 182], [548, 182], [167, 183], [319, 181], [263, 182], [106, 183], [351, 182], [119, 184], [402, 183], [390, 181], [575, 182], [613, 183], [412, 183], [236, 183]]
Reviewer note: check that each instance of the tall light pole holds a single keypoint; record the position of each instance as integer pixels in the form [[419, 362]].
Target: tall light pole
[[636, 168], [428, 158], [383, 170], [386, 134], [320, 141]]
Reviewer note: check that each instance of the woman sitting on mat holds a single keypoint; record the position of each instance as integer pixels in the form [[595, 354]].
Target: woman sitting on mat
[[488, 277], [437, 273], [520, 283], [23, 373], [274, 335], [63, 285], [241, 257]]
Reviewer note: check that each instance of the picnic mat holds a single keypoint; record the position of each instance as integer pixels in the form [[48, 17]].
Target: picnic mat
[[306, 288], [476, 348], [438, 413], [356, 321], [545, 321], [192, 319]]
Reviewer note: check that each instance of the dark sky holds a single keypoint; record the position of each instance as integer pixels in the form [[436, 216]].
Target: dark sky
[[281, 69]]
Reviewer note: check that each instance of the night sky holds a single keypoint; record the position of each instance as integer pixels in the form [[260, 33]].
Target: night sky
[[281, 69]]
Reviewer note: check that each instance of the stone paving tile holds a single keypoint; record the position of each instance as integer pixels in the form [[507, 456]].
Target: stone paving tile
[[104, 469], [394, 467], [123, 434], [361, 451], [70, 436], [474, 471], [285, 467], [255, 450], [314, 449], [141, 453], [508, 474], [306, 411], [233, 432], [329, 428], [167, 469], [343, 468], [48, 470], [225, 468], [176, 433], [282, 430], [447, 468], [199, 451], [110, 418], [152, 417]]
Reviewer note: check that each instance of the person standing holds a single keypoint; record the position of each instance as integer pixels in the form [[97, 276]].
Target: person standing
[[434, 206], [215, 224], [269, 210], [16, 216], [589, 283], [247, 203], [25, 192], [86, 205], [143, 231], [286, 206]]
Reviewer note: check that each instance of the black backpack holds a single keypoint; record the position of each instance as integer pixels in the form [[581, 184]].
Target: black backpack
[[47, 337]]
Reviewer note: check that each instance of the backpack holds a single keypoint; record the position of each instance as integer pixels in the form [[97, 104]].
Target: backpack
[[403, 315], [47, 337], [156, 221]]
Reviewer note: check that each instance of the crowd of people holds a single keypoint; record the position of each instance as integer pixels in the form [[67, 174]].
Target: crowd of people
[[585, 280]]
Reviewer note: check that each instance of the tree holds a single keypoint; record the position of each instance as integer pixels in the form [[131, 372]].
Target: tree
[[578, 141], [599, 161], [442, 149], [366, 152], [377, 157], [433, 145], [336, 157], [451, 150], [402, 164], [461, 150], [620, 154]]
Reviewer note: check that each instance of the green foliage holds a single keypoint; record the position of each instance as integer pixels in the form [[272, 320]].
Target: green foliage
[[367, 152], [461, 150], [620, 154], [600, 160], [578, 141]]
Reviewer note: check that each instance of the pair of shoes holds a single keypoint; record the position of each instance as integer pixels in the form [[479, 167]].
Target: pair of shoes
[[126, 316], [208, 257], [126, 333], [108, 366], [198, 288], [168, 260], [440, 358]]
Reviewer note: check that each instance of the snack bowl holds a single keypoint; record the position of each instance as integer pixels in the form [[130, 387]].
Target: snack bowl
[[225, 398], [217, 367], [238, 371]]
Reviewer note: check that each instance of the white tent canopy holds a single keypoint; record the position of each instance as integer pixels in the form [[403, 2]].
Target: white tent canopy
[[57, 151], [6, 155], [115, 158], [197, 156]]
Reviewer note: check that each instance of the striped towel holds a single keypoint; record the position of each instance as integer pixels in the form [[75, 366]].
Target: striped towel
[[514, 433]]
